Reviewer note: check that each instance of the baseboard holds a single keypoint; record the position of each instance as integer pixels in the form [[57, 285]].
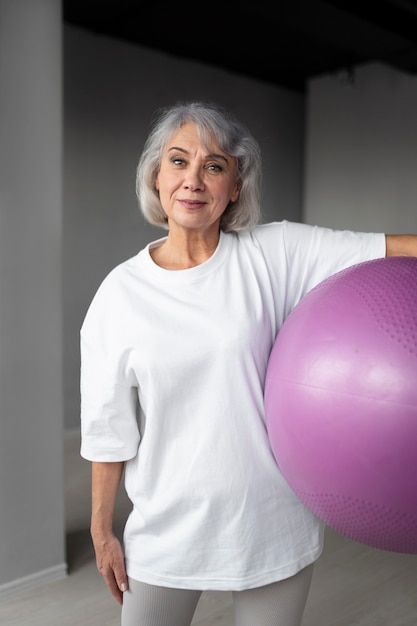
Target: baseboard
[[27, 583]]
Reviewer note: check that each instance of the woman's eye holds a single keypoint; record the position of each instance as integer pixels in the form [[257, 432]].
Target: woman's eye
[[215, 167], [177, 161]]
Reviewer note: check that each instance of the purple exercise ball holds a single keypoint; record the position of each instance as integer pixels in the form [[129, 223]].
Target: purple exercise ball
[[341, 402]]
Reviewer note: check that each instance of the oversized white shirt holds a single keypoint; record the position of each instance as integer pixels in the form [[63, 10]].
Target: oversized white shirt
[[172, 381]]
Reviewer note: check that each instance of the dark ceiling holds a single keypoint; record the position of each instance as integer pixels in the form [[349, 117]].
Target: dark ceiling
[[284, 43]]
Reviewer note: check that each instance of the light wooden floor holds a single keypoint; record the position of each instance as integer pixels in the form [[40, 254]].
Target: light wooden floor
[[353, 585]]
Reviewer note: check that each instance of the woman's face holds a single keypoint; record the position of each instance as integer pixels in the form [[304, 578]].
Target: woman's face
[[195, 183]]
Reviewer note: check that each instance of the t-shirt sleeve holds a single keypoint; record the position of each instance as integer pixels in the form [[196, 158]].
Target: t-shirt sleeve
[[300, 256], [319, 252], [109, 425]]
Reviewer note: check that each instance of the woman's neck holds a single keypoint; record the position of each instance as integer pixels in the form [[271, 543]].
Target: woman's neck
[[180, 252]]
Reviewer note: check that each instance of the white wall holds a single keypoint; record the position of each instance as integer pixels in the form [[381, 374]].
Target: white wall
[[361, 151], [111, 90]]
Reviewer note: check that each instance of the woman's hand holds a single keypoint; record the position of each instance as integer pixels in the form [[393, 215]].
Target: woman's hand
[[111, 564], [105, 481]]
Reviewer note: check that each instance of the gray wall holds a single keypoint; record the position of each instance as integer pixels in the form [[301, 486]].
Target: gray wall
[[32, 536], [111, 91], [361, 150]]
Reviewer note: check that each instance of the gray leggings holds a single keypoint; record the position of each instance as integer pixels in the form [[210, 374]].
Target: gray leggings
[[278, 604]]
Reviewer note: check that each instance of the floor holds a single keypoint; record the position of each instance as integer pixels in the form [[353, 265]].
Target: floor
[[353, 585]]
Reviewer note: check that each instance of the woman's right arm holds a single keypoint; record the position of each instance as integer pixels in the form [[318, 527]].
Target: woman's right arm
[[105, 481]]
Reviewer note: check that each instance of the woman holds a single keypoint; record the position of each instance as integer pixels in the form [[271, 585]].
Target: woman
[[175, 347]]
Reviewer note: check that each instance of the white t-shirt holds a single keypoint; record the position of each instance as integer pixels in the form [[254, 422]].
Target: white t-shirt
[[172, 381]]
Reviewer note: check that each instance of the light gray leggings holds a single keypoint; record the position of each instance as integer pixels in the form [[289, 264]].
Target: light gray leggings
[[278, 604]]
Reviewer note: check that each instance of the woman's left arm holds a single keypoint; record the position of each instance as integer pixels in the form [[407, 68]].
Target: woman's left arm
[[401, 245]]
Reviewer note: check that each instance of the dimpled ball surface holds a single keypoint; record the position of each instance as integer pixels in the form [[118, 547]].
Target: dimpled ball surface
[[341, 402]]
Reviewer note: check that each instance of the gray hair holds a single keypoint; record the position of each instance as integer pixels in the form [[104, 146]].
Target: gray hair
[[231, 136]]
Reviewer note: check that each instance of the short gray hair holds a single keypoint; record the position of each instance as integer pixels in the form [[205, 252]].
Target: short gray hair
[[231, 136]]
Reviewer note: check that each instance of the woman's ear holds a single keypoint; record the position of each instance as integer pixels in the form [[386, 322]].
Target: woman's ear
[[235, 194]]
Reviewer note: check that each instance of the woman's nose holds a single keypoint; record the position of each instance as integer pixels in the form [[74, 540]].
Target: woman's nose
[[193, 180]]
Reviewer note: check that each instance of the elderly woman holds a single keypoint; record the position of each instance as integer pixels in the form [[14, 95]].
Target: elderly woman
[[175, 347]]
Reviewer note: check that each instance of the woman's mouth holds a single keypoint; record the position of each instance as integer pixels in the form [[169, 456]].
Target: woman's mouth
[[191, 204]]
